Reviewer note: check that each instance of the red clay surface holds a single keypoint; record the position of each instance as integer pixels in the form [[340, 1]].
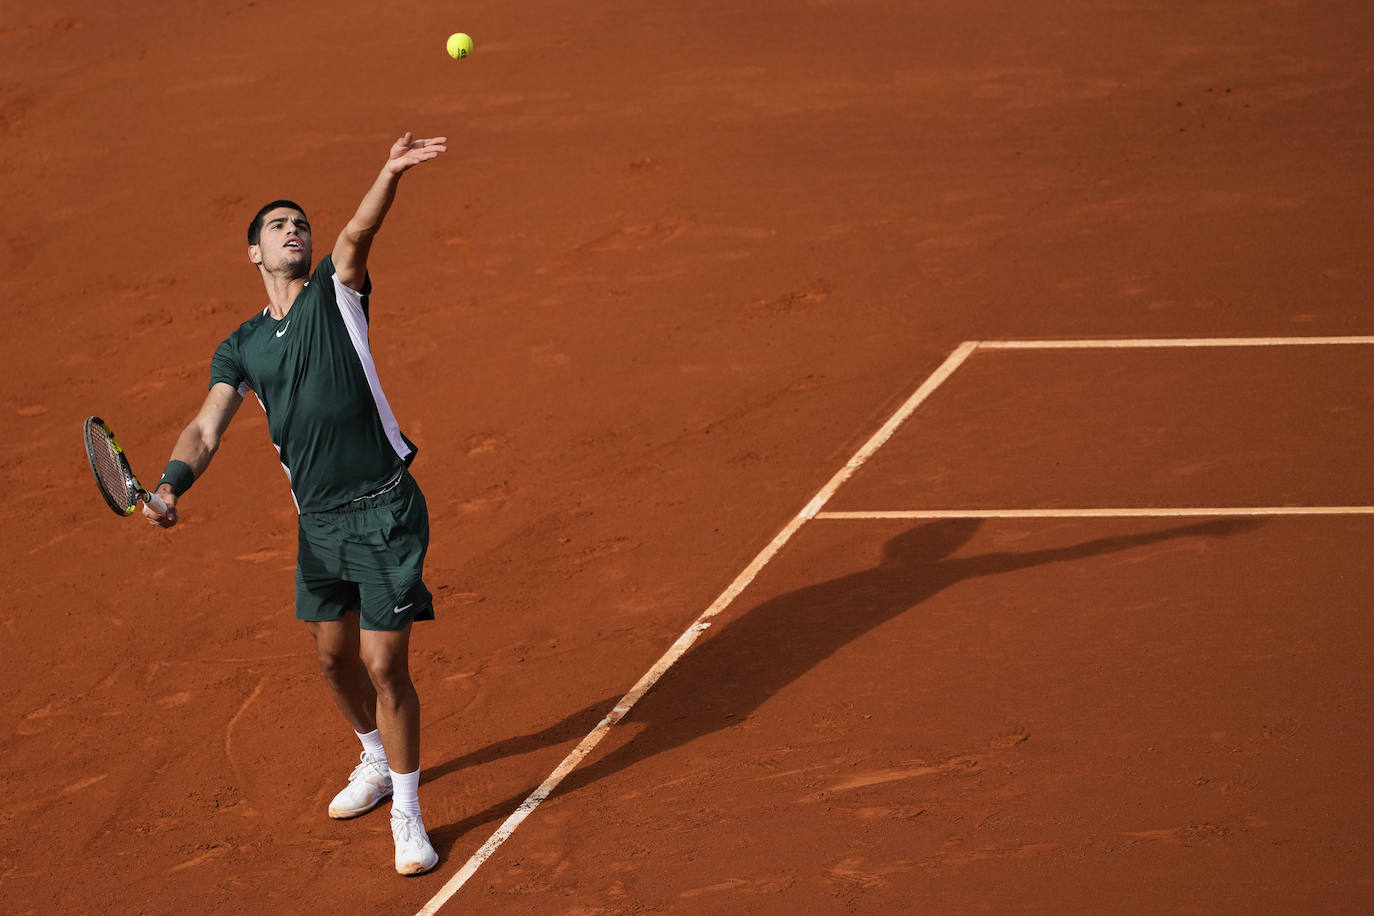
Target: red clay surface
[[681, 261]]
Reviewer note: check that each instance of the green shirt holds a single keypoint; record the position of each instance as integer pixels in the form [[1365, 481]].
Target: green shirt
[[313, 373]]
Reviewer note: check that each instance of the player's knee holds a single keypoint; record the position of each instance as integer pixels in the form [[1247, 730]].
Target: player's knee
[[336, 649], [390, 675], [333, 663]]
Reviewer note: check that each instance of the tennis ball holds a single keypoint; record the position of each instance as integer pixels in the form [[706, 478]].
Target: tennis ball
[[459, 45]]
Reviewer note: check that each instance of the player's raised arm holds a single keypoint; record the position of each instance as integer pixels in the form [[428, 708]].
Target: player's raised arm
[[355, 241], [194, 449]]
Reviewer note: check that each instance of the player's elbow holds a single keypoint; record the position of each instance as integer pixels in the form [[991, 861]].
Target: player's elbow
[[358, 233]]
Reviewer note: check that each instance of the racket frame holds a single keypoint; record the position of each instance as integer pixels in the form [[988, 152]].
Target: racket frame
[[133, 490]]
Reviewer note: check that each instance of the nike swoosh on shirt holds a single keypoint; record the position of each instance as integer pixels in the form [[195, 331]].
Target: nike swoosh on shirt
[[283, 328], [397, 610]]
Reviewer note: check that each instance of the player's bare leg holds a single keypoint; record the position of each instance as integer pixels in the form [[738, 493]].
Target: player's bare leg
[[337, 650], [386, 655], [339, 657]]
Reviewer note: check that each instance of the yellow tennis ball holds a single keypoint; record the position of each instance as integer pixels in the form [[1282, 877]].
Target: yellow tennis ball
[[459, 45]]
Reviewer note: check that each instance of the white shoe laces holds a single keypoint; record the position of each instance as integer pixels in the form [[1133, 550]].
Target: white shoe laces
[[369, 767], [409, 830]]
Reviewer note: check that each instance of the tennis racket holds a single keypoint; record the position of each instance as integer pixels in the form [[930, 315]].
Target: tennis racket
[[113, 475]]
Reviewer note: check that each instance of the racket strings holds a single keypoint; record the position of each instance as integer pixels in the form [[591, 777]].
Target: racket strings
[[109, 470]]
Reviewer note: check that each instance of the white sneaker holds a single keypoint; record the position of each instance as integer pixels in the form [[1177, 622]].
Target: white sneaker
[[368, 785], [414, 854]]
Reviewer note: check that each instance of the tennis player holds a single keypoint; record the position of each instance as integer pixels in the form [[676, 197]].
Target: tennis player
[[364, 526]]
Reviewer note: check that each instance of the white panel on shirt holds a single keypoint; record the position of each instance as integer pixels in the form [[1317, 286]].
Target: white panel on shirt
[[351, 308]]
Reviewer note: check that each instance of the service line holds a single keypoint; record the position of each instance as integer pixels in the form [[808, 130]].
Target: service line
[[1175, 512], [1166, 342], [699, 626]]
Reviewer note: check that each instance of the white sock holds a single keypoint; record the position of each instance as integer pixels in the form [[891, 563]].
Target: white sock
[[405, 794], [372, 744]]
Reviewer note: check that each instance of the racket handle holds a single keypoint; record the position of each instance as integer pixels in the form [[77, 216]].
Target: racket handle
[[158, 505]]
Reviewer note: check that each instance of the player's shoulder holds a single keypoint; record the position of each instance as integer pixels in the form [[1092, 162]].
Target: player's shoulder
[[330, 275], [258, 319], [324, 270], [320, 286], [246, 329]]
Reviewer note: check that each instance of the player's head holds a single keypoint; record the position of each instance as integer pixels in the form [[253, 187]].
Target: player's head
[[929, 543], [279, 240], [255, 227]]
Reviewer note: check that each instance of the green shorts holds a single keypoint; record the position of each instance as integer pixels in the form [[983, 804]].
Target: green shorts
[[367, 556]]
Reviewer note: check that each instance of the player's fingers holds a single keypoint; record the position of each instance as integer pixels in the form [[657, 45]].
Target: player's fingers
[[162, 520]]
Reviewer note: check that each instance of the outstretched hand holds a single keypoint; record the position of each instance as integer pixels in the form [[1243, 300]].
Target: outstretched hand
[[408, 152]]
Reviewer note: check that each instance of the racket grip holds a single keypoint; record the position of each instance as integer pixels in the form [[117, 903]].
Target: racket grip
[[158, 505]]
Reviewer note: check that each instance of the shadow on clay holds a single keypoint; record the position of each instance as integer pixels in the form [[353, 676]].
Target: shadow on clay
[[725, 678]]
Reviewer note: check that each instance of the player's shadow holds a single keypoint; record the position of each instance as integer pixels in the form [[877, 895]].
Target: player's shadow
[[737, 667], [572, 727]]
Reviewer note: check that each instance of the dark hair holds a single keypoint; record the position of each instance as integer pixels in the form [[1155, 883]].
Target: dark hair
[[255, 227]]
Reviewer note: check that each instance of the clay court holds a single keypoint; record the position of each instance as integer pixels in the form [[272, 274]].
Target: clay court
[[883, 456]]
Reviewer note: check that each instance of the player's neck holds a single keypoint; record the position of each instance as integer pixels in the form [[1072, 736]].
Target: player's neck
[[281, 293]]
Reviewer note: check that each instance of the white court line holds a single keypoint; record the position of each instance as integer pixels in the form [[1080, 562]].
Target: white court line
[[1180, 512], [1165, 342], [685, 641]]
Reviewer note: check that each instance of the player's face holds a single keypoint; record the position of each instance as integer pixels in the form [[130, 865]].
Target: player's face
[[284, 243]]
